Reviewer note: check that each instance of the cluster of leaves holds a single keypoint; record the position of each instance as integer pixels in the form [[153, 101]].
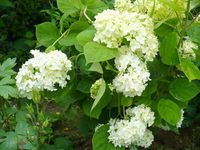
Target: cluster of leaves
[[174, 80]]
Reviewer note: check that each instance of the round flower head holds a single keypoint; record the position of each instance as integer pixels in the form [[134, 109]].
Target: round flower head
[[124, 132], [95, 87], [43, 72], [112, 27], [133, 129], [133, 81], [187, 49], [161, 9]]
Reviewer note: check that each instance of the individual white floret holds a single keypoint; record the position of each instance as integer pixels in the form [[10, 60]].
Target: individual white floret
[[43, 72]]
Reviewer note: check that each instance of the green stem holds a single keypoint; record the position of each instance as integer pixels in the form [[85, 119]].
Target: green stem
[[184, 24], [119, 104], [65, 33], [124, 112], [86, 16], [187, 10], [111, 67]]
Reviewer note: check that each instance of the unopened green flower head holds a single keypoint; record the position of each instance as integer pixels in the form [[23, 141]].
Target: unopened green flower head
[[158, 9], [161, 9], [187, 49], [95, 87]]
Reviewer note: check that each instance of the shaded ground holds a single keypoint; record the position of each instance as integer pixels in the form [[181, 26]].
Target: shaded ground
[[189, 139]]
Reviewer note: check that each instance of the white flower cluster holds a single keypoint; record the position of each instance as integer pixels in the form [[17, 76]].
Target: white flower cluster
[[133, 76], [43, 72], [179, 123], [113, 27], [187, 49], [133, 34], [132, 130], [160, 9], [95, 87]]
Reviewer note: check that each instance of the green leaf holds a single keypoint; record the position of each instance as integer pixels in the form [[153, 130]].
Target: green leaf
[[10, 142], [94, 6], [21, 116], [7, 80], [194, 31], [21, 128], [68, 40], [100, 140], [6, 3], [85, 36], [84, 85], [63, 143], [102, 99], [86, 106], [95, 52], [191, 71], [46, 33], [79, 26], [7, 91], [96, 67], [126, 101], [151, 88], [169, 111], [6, 67], [164, 27], [50, 48], [69, 6], [194, 4], [168, 49], [183, 90]]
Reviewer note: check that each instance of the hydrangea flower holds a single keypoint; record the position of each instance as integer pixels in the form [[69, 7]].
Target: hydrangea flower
[[132, 129], [187, 49], [132, 82], [43, 72], [112, 27], [124, 132]]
